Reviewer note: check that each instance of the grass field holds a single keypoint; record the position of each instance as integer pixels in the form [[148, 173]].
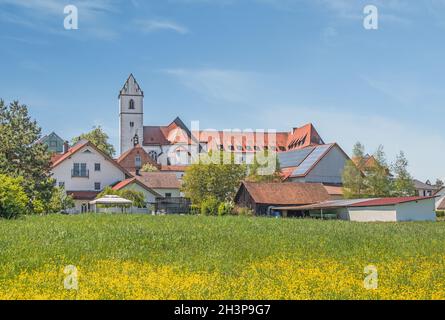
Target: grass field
[[194, 257]]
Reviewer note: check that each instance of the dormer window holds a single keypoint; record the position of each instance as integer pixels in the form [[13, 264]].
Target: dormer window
[[131, 107]]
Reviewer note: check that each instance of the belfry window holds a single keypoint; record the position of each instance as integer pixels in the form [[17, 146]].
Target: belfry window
[[131, 124], [131, 107]]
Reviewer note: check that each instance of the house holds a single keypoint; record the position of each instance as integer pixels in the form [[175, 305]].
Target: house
[[261, 197], [135, 158], [374, 210], [164, 183], [425, 189], [317, 164], [134, 184], [84, 171], [55, 143]]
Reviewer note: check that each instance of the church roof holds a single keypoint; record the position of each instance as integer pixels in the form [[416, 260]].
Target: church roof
[[131, 87]]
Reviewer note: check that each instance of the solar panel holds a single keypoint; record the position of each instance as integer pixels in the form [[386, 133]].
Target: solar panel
[[293, 158], [310, 160]]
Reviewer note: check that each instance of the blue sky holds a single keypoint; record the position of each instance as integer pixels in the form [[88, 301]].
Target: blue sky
[[237, 64]]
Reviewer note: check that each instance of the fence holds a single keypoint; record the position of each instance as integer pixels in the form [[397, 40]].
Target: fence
[[172, 205]]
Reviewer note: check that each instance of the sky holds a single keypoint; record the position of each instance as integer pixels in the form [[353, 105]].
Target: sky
[[259, 64]]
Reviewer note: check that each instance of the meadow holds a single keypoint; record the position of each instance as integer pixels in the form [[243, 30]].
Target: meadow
[[196, 257]]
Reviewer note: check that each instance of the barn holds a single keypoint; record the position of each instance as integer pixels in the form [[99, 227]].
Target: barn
[[262, 197], [374, 210]]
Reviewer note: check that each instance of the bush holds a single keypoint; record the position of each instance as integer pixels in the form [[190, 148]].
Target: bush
[[13, 199], [195, 209], [225, 209], [209, 207], [243, 211], [60, 201], [440, 214]]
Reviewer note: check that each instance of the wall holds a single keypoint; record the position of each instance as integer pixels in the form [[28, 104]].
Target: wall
[[149, 197], [175, 193], [373, 214], [108, 175], [329, 169], [422, 210]]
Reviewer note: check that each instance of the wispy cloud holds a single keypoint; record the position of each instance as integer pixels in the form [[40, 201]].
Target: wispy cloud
[[149, 26], [219, 84]]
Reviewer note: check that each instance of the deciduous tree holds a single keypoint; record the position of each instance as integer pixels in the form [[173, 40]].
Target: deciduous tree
[[99, 138]]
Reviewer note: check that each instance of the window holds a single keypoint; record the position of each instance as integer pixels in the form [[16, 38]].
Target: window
[[97, 167], [61, 184], [131, 124], [168, 195], [248, 148], [80, 170], [153, 155], [221, 147], [240, 148], [53, 143], [97, 186], [137, 161], [131, 107]]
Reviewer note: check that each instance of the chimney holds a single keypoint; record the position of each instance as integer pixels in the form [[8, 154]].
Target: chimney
[[66, 147]]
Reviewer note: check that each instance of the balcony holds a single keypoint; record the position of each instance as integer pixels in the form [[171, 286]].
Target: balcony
[[80, 173]]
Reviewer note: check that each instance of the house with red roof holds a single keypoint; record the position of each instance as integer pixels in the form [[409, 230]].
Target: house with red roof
[[134, 184], [84, 171]]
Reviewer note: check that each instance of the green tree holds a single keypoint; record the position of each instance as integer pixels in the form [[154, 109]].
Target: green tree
[[60, 201], [403, 184], [213, 175], [136, 196], [21, 156], [99, 138], [378, 180], [353, 176], [13, 199], [265, 167], [439, 183]]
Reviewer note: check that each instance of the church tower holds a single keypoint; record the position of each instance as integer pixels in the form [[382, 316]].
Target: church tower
[[131, 114]]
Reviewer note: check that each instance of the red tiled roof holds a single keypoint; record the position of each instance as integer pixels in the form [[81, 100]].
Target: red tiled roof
[[174, 168], [159, 180], [127, 182], [334, 190], [388, 201], [303, 137], [55, 157], [78, 146], [298, 138], [286, 193], [83, 195], [70, 152]]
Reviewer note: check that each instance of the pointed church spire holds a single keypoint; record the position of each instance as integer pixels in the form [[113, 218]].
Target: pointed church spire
[[131, 87]]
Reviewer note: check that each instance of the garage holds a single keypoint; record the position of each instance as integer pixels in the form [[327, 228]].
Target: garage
[[374, 210]]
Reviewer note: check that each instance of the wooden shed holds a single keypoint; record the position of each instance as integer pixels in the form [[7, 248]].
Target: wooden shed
[[261, 197]]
